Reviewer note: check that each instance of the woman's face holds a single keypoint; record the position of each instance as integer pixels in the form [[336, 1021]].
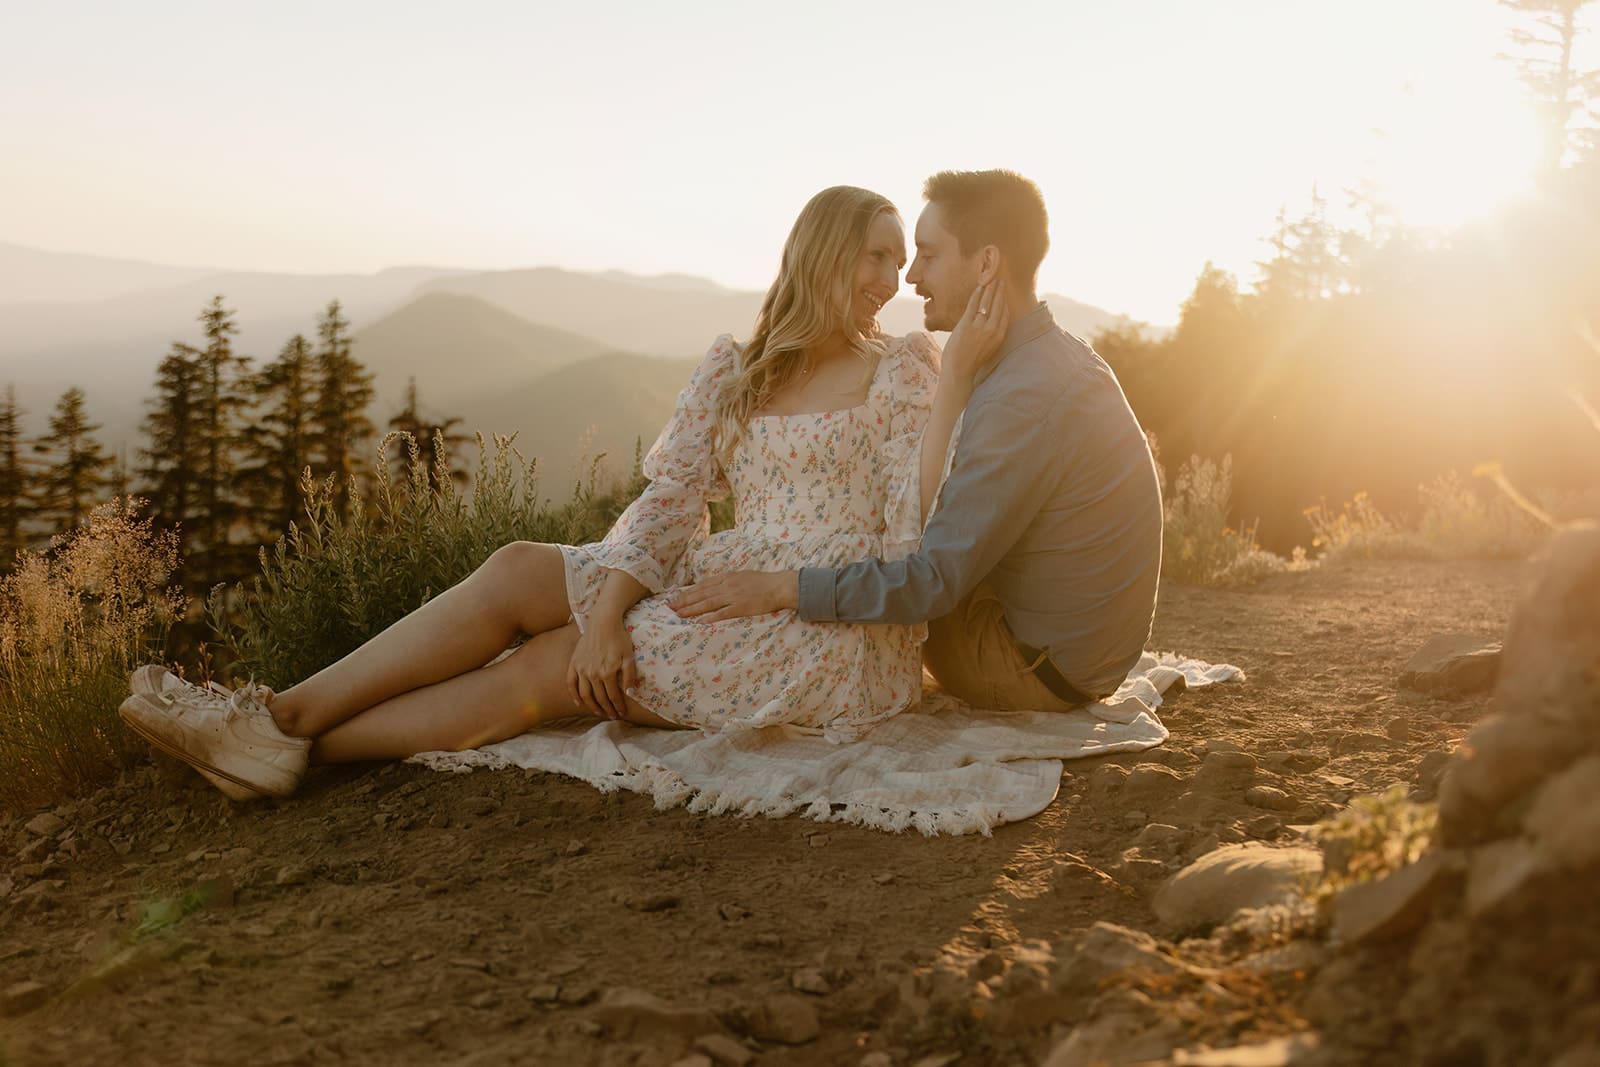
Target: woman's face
[[877, 275]]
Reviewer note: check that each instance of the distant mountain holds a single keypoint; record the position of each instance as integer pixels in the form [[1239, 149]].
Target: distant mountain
[[601, 406], [640, 315], [28, 274], [435, 336]]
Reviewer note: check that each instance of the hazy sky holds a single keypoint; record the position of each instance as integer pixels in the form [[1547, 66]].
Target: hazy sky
[[685, 136]]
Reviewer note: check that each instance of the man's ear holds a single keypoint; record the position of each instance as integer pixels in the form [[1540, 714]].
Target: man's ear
[[989, 260]]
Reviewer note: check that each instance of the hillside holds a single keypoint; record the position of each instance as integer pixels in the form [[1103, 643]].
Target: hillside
[[395, 915], [33, 274], [452, 344]]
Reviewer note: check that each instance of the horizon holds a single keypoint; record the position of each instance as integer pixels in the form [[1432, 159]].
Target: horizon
[[1189, 131]]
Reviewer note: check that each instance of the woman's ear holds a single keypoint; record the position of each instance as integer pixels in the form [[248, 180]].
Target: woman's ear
[[988, 264]]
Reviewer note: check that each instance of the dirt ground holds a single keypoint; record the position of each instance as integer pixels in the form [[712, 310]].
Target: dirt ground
[[395, 915]]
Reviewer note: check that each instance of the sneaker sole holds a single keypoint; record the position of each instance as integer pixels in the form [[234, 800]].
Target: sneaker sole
[[161, 743], [146, 681]]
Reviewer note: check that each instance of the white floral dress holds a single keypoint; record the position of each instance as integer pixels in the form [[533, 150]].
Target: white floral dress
[[813, 490]]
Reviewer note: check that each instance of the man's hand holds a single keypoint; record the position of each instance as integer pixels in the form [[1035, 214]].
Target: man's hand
[[739, 594]]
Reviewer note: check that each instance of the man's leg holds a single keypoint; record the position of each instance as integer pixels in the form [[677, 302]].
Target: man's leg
[[973, 654]]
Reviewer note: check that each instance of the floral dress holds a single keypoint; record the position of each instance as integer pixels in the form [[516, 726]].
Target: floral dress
[[820, 489]]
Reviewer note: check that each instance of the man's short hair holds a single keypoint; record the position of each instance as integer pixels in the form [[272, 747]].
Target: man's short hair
[[994, 207]]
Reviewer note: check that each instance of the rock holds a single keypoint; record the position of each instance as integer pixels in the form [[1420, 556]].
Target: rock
[[724, 1050], [46, 824], [1216, 885], [811, 980], [1430, 769], [1270, 797], [1107, 778], [1497, 870], [544, 993], [1104, 951], [732, 913], [1453, 665], [1151, 780], [1398, 730], [633, 1014], [480, 806], [22, 997], [1160, 837], [292, 874], [1552, 653], [1387, 907], [1565, 816], [694, 1059], [1124, 1031], [1499, 761], [484, 1001], [576, 848], [786, 1019], [654, 902]]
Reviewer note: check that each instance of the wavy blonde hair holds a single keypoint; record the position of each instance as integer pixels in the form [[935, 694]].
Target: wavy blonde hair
[[808, 302]]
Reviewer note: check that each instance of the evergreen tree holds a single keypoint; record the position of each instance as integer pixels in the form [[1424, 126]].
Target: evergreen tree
[[1564, 93], [429, 436], [344, 390], [277, 454], [16, 506], [74, 478], [171, 458], [221, 397]]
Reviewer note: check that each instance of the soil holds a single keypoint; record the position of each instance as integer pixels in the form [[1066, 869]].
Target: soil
[[394, 915]]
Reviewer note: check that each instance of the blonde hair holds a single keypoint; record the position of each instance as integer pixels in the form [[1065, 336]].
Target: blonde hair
[[808, 302]]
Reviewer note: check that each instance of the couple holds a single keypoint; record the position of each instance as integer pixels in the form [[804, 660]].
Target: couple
[[993, 511]]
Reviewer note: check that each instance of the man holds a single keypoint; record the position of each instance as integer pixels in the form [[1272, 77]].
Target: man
[[1037, 567]]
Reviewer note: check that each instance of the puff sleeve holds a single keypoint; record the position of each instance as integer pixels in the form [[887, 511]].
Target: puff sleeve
[[652, 539]]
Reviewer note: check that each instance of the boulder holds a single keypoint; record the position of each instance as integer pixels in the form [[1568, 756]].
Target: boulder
[[1500, 760], [1565, 816], [1215, 886], [1106, 950], [1453, 665], [1552, 651], [1392, 905]]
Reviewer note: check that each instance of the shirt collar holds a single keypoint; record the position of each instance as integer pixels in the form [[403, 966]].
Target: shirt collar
[[1034, 324]]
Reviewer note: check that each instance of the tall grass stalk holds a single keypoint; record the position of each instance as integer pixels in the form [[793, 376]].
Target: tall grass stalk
[[1198, 546], [73, 623], [334, 582]]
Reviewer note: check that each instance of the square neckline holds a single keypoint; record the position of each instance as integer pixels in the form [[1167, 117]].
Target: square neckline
[[872, 387]]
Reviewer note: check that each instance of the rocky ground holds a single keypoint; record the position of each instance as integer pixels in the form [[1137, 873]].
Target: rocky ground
[[393, 915]]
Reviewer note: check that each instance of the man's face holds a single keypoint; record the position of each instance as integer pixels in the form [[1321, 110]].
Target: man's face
[[940, 274]]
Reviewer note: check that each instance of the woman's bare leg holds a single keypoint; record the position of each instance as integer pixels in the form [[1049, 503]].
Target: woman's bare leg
[[519, 589], [479, 707]]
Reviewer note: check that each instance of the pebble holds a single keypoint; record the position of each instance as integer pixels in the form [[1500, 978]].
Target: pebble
[[292, 874], [1398, 730], [46, 824], [481, 806], [484, 1001], [654, 902], [884, 878], [544, 993], [786, 1019], [1270, 797], [576, 847], [22, 997], [811, 980], [724, 1050]]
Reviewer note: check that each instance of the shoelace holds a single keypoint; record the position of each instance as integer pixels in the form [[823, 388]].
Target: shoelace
[[248, 699]]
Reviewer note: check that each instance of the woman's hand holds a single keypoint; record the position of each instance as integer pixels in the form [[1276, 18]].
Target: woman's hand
[[976, 339], [602, 671], [738, 594]]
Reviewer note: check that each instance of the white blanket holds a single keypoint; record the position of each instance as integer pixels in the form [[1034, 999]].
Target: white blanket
[[944, 768]]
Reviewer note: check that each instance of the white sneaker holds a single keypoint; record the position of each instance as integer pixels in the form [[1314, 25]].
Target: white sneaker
[[152, 680], [227, 735]]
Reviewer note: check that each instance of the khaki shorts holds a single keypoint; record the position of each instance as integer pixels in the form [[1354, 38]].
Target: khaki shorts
[[975, 657]]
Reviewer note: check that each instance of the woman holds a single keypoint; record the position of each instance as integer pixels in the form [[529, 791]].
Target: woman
[[818, 427]]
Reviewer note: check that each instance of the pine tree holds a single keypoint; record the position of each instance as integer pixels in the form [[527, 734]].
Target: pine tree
[[344, 389], [16, 506], [280, 450], [74, 478], [221, 397], [171, 458], [428, 435], [1564, 93]]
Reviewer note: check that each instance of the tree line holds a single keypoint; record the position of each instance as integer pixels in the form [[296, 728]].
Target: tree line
[[226, 448], [1374, 356]]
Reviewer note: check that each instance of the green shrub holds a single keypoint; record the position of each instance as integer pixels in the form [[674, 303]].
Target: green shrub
[[73, 623], [1375, 835], [331, 584], [1197, 544]]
